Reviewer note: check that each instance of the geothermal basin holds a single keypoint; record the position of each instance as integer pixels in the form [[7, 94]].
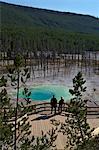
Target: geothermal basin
[[45, 93]]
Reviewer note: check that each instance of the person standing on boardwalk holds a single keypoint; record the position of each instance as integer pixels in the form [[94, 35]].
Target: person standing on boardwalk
[[61, 103], [53, 104]]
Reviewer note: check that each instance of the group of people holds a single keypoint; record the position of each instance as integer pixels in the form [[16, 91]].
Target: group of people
[[54, 104]]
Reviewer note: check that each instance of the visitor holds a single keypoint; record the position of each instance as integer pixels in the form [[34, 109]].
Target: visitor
[[53, 104], [61, 103]]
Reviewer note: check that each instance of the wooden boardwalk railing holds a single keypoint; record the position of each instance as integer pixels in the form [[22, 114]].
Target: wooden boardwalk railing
[[42, 107], [46, 107]]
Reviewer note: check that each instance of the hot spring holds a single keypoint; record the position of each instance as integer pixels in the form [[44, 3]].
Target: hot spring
[[45, 93]]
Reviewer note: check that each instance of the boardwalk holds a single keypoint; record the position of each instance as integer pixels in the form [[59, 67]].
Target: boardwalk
[[42, 121]]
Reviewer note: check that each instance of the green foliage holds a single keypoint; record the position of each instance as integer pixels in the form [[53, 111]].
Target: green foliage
[[92, 144], [76, 128], [78, 83], [17, 134], [26, 93], [3, 81], [18, 77], [18, 61], [6, 113], [21, 16], [16, 74], [45, 142], [30, 29]]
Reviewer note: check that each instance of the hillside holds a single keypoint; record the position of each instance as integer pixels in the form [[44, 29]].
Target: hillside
[[24, 29], [22, 16]]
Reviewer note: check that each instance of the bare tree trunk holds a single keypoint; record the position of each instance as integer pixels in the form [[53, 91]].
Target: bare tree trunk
[[15, 144]]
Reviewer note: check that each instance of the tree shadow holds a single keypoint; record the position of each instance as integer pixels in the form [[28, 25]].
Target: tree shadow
[[44, 117]]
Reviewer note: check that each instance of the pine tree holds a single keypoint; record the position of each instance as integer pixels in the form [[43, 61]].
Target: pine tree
[[6, 113], [17, 77], [23, 139], [76, 128]]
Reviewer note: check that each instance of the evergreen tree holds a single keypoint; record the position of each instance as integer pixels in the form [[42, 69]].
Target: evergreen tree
[[6, 113], [17, 75], [76, 127], [14, 120], [79, 135]]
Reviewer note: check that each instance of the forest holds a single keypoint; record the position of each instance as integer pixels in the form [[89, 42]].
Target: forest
[[31, 29]]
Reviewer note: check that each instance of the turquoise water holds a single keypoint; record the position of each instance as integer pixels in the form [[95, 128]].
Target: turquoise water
[[45, 92]]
